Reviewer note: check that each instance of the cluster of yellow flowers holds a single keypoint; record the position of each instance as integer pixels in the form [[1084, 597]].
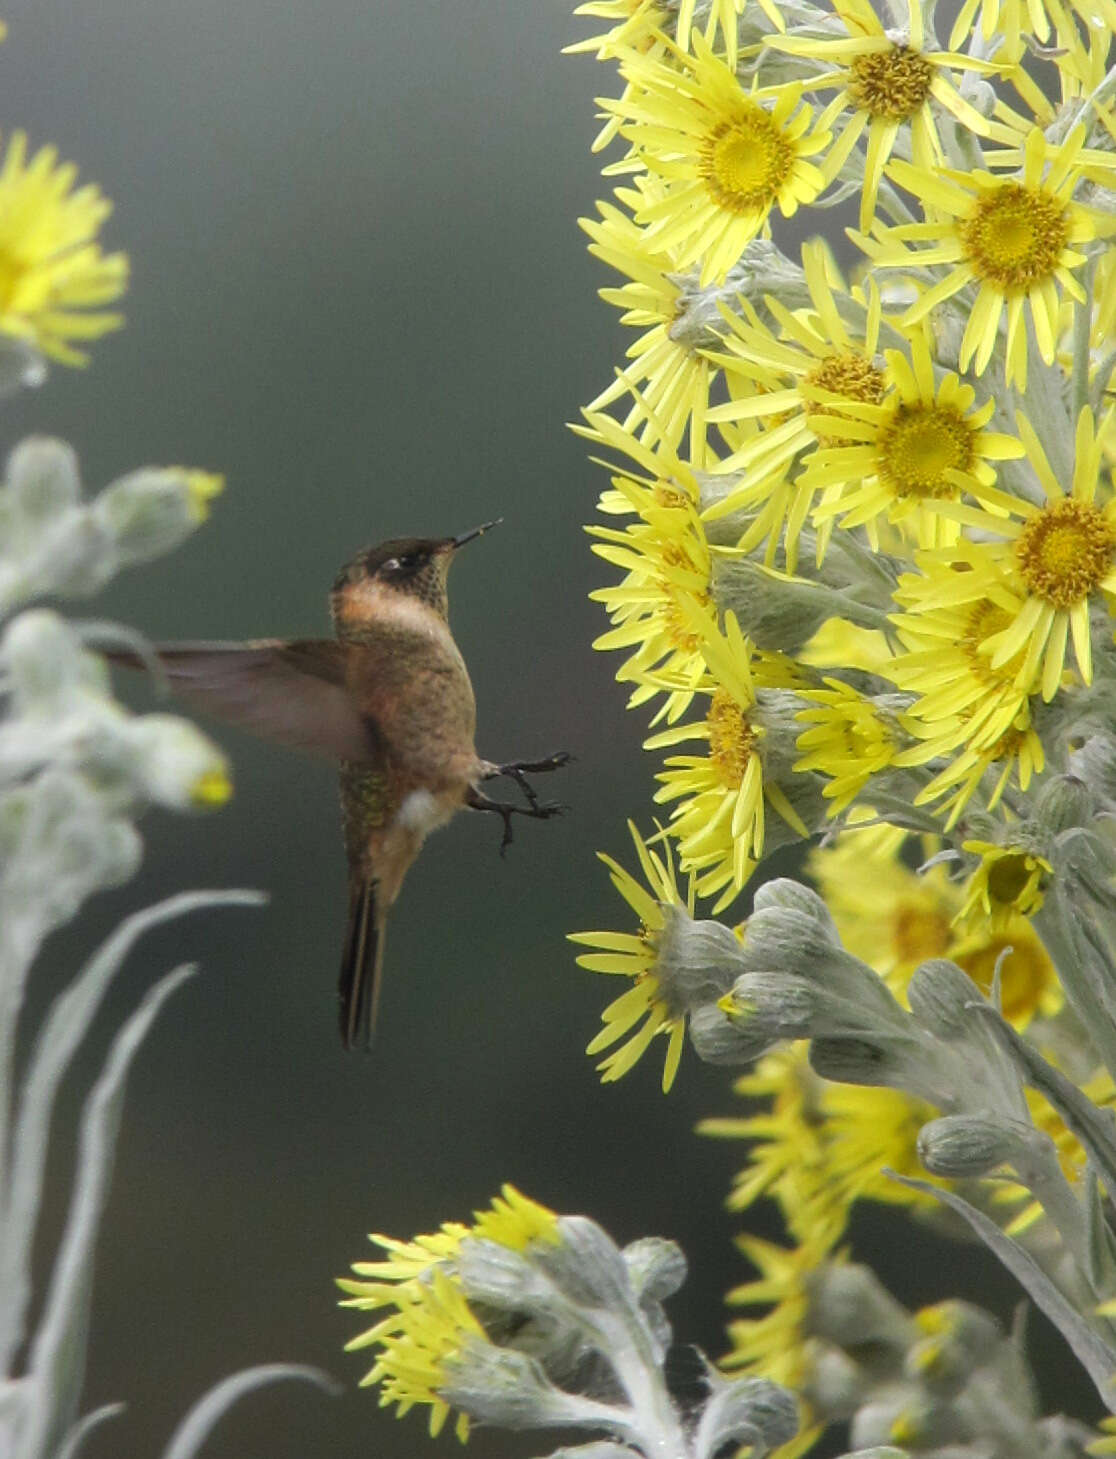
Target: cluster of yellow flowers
[[863, 510]]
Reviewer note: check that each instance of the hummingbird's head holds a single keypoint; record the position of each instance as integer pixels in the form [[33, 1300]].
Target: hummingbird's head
[[415, 567]]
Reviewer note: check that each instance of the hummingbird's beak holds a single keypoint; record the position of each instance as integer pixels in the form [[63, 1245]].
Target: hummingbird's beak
[[456, 542]]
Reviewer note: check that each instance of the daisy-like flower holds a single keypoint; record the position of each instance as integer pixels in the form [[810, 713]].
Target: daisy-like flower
[[718, 821], [726, 156], [53, 276], [648, 1002], [672, 374], [848, 739], [888, 85], [426, 1335], [1015, 21], [778, 1344], [925, 443], [1011, 239], [1058, 558], [815, 351], [723, 15], [1016, 756], [1009, 882], [895, 918], [667, 567], [632, 25]]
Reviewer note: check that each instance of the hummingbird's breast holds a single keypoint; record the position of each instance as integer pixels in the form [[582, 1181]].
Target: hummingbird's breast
[[409, 679]]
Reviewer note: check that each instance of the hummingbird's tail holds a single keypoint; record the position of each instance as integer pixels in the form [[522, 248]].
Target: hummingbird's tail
[[361, 963]]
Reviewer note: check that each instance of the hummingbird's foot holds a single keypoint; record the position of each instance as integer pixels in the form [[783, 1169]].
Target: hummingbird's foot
[[518, 770], [537, 810]]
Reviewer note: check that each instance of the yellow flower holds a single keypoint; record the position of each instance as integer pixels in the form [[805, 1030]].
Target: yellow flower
[[1009, 882], [726, 156], [667, 567], [848, 739], [634, 24], [923, 444], [888, 84], [719, 821], [673, 376], [777, 1345], [1012, 21], [634, 956], [776, 380], [723, 16], [1058, 558], [894, 918], [53, 275], [429, 1325], [1012, 238]]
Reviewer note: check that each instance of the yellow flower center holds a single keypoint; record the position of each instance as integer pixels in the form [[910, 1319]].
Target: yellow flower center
[[919, 446], [1009, 877], [1014, 236], [747, 161], [1065, 552], [918, 933], [984, 619], [732, 739], [890, 84], [675, 621], [852, 375]]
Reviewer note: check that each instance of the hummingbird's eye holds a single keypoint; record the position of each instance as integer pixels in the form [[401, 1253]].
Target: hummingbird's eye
[[393, 564]]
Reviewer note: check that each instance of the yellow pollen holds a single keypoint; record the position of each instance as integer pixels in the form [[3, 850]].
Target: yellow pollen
[[1065, 552], [212, 788], [732, 739], [667, 495], [1014, 236], [852, 375], [918, 933], [890, 84], [919, 446], [747, 160]]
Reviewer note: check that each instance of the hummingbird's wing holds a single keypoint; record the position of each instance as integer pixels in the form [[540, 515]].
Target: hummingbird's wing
[[290, 691]]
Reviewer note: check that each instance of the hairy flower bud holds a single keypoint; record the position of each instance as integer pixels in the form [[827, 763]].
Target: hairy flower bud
[[965, 1146]]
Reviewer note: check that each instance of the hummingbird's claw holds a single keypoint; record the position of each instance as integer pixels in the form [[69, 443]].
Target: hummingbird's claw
[[536, 809], [518, 770]]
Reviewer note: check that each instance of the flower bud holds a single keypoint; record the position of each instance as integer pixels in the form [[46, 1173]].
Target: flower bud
[[941, 996], [751, 1411], [778, 612], [45, 660], [175, 764], [850, 1307], [43, 478], [966, 1146], [152, 510], [697, 960], [959, 1339], [1062, 802]]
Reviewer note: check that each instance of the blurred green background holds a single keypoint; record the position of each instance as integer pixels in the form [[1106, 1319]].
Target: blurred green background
[[360, 292]]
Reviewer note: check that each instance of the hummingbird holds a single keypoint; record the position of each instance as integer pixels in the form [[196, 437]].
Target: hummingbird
[[389, 699]]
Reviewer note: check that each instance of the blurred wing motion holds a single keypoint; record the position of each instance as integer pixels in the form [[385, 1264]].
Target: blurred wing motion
[[362, 961], [289, 691]]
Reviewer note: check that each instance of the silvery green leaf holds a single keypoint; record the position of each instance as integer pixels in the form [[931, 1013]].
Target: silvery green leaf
[[65, 1026], [656, 1267], [1095, 1128], [196, 1427], [85, 1426], [57, 1356], [510, 1390], [750, 1411], [585, 1266], [1095, 1356]]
